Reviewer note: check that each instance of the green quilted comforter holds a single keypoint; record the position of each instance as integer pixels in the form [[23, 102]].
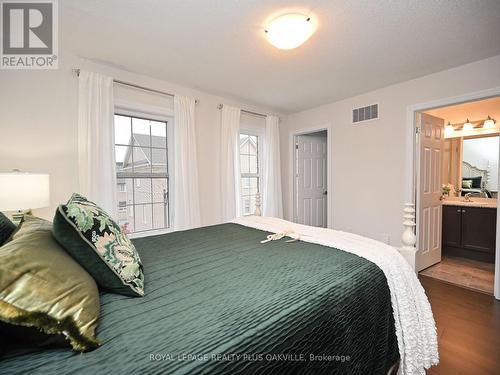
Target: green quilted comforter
[[220, 302]]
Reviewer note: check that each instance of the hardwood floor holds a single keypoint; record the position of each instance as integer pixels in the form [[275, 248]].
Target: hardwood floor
[[468, 326], [471, 274]]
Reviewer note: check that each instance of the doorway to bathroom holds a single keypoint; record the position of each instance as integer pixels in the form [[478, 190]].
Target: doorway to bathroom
[[457, 163]]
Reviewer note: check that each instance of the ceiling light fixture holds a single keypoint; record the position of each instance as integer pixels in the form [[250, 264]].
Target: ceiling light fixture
[[468, 126], [290, 30], [489, 123]]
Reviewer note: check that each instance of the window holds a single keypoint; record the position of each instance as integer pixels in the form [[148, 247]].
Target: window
[[141, 154], [250, 174], [122, 206]]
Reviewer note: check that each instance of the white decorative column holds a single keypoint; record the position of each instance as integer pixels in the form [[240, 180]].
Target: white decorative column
[[409, 239], [258, 211]]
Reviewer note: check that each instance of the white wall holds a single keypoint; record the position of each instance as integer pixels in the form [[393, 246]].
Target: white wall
[[38, 126], [368, 160]]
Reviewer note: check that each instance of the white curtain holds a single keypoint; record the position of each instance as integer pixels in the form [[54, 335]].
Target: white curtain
[[96, 154], [271, 194], [186, 200], [230, 163]]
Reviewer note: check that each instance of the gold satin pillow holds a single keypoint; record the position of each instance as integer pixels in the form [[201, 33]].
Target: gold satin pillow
[[42, 287]]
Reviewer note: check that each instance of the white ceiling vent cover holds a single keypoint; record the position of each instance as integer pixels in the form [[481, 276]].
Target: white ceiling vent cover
[[363, 114]]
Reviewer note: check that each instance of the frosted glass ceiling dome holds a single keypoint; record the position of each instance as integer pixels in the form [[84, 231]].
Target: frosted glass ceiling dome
[[289, 31]]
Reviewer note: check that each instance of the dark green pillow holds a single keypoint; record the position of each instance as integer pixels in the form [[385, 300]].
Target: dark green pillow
[[100, 246], [7, 227], [476, 181], [45, 296]]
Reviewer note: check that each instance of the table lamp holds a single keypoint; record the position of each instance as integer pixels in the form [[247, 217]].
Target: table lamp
[[21, 192]]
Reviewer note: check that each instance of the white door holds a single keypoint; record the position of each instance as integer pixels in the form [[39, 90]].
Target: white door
[[429, 190], [310, 180]]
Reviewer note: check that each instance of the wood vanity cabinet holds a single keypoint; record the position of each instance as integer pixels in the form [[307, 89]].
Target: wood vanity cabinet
[[470, 232], [452, 226]]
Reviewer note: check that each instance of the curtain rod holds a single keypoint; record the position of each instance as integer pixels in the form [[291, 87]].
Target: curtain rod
[[77, 72], [245, 111]]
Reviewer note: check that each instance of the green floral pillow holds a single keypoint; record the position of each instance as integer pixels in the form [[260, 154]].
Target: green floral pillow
[[95, 241], [466, 184]]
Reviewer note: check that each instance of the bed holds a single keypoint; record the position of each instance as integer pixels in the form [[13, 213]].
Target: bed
[[218, 301], [478, 177]]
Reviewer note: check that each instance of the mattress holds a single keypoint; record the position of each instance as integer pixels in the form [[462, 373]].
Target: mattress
[[220, 302]]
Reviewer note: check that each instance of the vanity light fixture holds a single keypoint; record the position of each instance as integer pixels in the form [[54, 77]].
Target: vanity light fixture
[[289, 31], [489, 123], [449, 128], [468, 126]]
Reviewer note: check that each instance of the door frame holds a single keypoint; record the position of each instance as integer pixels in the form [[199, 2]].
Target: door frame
[[412, 165], [293, 192]]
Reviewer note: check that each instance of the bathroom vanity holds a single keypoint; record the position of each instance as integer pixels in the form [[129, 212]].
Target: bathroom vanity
[[469, 229]]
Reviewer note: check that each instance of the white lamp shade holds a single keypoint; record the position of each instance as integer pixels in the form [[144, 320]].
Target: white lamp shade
[[449, 129], [467, 126], [23, 191], [489, 123]]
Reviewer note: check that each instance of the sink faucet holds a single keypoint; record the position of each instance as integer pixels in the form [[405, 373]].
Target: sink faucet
[[467, 197]]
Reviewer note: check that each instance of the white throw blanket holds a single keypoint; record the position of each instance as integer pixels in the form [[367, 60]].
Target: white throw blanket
[[414, 323]]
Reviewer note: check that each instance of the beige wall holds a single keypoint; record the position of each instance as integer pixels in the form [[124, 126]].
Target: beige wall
[[367, 163], [38, 114], [452, 161], [38, 126]]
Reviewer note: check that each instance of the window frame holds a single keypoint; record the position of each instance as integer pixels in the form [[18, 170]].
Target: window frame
[[154, 114], [259, 133], [122, 208], [122, 188]]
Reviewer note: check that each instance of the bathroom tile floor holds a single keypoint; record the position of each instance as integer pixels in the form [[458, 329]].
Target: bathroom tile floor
[[467, 273]]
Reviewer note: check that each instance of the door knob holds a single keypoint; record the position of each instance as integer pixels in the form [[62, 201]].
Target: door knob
[[325, 192]]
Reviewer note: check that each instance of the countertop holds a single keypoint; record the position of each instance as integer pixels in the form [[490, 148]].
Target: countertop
[[475, 202]]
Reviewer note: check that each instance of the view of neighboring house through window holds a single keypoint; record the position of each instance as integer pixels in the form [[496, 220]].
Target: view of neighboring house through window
[[142, 174], [249, 168]]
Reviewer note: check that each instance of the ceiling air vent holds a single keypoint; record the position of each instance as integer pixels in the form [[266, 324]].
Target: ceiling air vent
[[365, 113]]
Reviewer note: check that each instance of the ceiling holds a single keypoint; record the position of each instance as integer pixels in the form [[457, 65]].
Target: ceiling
[[219, 46], [474, 111]]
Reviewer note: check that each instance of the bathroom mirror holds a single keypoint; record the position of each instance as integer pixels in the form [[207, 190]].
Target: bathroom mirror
[[479, 167]]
